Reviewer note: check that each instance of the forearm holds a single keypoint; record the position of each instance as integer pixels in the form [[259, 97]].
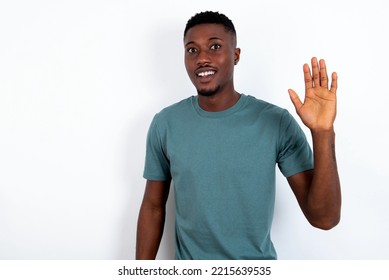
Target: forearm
[[324, 198], [149, 233]]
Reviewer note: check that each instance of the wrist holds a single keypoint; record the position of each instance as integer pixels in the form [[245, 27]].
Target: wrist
[[322, 134], [327, 130]]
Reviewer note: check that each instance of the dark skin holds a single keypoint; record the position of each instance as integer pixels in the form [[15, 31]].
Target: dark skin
[[210, 57]]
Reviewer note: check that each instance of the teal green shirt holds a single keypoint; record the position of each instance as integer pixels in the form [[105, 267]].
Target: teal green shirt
[[223, 170]]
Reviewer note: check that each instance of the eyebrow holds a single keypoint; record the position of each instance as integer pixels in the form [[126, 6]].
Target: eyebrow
[[215, 38], [210, 39]]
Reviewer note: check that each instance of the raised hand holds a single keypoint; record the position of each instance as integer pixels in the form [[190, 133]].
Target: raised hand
[[318, 111]]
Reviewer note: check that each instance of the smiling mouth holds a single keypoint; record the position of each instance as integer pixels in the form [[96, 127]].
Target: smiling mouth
[[205, 73]]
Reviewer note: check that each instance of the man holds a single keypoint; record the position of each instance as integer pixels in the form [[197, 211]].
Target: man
[[220, 149]]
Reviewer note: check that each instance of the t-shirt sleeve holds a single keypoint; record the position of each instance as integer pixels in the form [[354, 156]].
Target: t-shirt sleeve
[[294, 154], [157, 165]]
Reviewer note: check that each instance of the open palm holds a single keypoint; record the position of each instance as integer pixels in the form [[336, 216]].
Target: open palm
[[318, 111]]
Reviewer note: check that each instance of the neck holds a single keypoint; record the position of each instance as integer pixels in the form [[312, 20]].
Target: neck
[[218, 102]]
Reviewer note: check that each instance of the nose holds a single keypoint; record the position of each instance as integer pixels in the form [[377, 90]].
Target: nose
[[203, 58]]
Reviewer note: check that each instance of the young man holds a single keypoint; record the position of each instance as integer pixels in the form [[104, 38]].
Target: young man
[[220, 149]]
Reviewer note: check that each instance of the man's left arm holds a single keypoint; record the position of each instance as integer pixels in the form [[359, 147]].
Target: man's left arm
[[318, 190]]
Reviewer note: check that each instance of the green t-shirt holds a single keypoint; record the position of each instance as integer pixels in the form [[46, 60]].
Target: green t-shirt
[[223, 170]]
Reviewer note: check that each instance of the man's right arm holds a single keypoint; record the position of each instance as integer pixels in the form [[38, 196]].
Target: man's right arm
[[151, 219]]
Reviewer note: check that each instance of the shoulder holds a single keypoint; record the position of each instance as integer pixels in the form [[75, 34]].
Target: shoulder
[[266, 110], [176, 109], [173, 115], [263, 105]]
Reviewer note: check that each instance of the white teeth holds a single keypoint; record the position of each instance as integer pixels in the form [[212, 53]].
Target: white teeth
[[205, 74]]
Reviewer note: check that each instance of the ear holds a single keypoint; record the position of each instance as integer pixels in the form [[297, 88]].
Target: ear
[[236, 55]]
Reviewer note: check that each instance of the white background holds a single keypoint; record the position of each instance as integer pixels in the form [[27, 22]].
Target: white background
[[81, 80]]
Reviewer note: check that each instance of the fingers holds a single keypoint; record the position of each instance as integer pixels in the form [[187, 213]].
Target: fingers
[[307, 77], [324, 77], [323, 74], [315, 71], [334, 82], [319, 77]]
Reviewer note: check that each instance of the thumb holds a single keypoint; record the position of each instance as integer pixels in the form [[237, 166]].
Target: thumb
[[295, 99]]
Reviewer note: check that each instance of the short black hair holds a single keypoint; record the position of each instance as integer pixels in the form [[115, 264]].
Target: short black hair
[[210, 17]]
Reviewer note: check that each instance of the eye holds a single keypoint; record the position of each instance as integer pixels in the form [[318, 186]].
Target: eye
[[215, 46], [191, 50]]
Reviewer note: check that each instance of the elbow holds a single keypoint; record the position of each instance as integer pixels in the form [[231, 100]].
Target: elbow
[[324, 218], [325, 226], [327, 223]]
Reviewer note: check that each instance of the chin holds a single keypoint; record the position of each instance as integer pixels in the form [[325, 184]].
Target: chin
[[208, 92]]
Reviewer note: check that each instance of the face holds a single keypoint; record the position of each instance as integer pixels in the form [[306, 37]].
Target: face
[[210, 57]]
